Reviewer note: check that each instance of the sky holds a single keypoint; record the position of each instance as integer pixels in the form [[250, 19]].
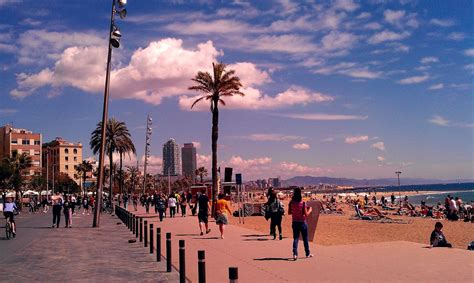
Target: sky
[[356, 89]]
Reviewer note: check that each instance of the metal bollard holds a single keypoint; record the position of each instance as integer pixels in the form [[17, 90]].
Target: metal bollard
[[141, 229], [133, 224], [151, 238], [158, 244], [201, 266], [233, 275], [136, 227], [168, 252], [182, 262], [145, 237]]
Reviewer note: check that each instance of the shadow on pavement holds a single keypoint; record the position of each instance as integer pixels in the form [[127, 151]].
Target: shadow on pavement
[[255, 235], [257, 239], [208, 238], [274, 258], [183, 235]]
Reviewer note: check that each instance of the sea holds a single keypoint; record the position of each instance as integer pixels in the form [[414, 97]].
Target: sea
[[465, 191]]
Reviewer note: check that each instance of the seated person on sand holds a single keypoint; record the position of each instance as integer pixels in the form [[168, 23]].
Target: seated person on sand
[[437, 238], [370, 214]]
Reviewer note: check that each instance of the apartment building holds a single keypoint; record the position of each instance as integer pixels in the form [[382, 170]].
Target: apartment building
[[61, 156]]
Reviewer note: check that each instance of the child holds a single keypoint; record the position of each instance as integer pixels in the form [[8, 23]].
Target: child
[[437, 238]]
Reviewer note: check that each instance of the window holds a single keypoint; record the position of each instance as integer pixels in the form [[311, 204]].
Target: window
[[25, 142], [66, 151], [66, 158], [75, 158], [37, 143], [67, 167], [75, 151], [14, 142]]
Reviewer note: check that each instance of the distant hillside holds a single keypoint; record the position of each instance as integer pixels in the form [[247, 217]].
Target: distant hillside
[[312, 181]]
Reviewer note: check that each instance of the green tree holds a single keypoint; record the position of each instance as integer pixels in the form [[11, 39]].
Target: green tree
[[133, 174], [201, 172], [117, 136], [223, 83], [18, 164], [81, 170]]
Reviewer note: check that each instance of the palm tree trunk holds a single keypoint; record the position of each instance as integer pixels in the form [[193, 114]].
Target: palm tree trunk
[[121, 175], [111, 178], [215, 136]]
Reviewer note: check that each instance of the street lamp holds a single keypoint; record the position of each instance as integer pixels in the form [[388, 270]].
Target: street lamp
[[147, 149], [118, 7]]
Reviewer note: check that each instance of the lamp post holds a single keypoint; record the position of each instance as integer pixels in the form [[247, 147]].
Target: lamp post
[[147, 149], [118, 7], [399, 193]]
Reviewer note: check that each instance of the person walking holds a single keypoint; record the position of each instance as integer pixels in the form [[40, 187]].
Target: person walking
[[183, 203], [160, 206], [73, 205], [222, 207], [276, 214], [203, 212], [135, 202], [67, 212], [299, 212], [172, 205], [147, 204], [57, 205]]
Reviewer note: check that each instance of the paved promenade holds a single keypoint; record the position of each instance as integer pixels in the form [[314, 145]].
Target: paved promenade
[[81, 253], [261, 259]]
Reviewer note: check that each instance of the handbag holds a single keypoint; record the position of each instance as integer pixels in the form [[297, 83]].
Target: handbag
[[268, 212]]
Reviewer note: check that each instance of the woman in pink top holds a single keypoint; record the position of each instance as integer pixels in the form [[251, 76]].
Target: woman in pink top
[[299, 211]]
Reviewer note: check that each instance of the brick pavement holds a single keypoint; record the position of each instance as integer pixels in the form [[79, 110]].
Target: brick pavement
[[81, 253]]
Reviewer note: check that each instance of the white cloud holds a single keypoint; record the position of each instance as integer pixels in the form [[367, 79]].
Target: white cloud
[[413, 80], [301, 146], [378, 145], [358, 161], [363, 16], [380, 158], [350, 69], [345, 5], [7, 2], [210, 27], [162, 69], [254, 100], [469, 52], [7, 111], [204, 161], [428, 60], [239, 162], [356, 139], [272, 137], [442, 22], [387, 35], [298, 169], [338, 40], [197, 144], [438, 120], [436, 86], [289, 7], [469, 67], [393, 17], [323, 117], [456, 36], [249, 74], [41, 46], [373, 26]]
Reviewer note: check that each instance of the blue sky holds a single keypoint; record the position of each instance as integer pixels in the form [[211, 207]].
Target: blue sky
[[338, 88]]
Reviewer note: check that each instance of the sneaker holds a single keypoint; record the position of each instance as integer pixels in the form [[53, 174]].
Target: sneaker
[[281, 237], [208, 231], [52, 226], [295, 257], [310, 255], [222, 237], [202, 233]]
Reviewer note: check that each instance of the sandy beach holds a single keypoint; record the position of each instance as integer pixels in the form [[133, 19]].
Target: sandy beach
[[341, 230]]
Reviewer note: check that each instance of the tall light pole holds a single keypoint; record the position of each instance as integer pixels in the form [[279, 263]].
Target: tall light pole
[[399, 193], [118, 6], [147, 149]]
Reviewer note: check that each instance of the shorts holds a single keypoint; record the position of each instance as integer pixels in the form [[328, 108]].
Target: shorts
[[222, 219], [203, 217], [9, 215]]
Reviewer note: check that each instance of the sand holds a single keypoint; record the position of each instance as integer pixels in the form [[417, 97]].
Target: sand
[[340, 230]]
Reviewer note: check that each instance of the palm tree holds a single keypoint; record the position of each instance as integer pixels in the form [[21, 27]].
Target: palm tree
[[133, 173], [222, 84], [117, 136], [18, 163], [201, 172], [125, 146], [81, 170]]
